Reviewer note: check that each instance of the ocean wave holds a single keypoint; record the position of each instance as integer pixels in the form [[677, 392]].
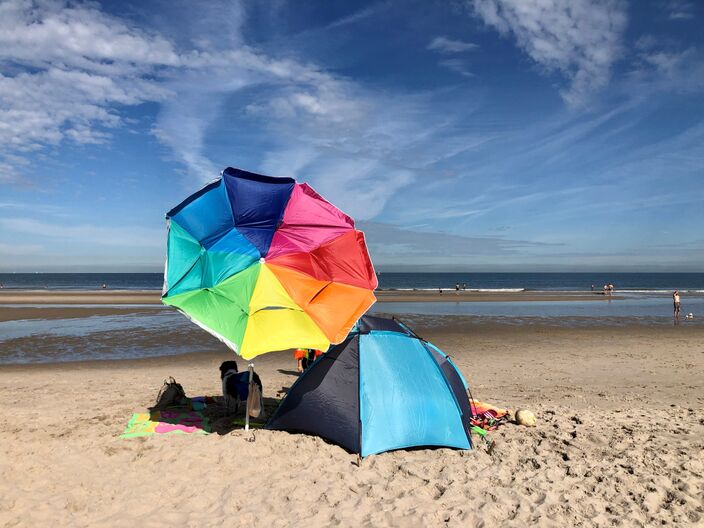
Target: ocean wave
[[492, 290], [669, 291], [553, 290], [451, 289]]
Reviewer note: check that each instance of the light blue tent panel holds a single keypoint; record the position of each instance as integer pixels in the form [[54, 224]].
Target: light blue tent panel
[[459, 373], [404, 398]]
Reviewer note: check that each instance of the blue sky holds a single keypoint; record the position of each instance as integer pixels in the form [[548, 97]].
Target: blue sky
[[480, 135]]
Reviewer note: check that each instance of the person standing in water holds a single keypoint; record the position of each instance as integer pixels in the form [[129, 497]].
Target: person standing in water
[[676, 303]]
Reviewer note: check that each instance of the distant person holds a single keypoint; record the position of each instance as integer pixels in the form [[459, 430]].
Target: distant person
[[301, 357], [440, 291], [457, 288], [676, 303], [104, 286], [464, 285], [606, 289], [592, 287]]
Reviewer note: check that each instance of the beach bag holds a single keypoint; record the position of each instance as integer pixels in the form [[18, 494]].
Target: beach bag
[[171, 394], [256, 402]]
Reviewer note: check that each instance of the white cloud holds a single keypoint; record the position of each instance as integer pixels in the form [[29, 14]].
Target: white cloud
[[77, 36], [581, 39], [287, 90], [385, 142], [68, 69], [65, 67], [659, 67], [447, 45]]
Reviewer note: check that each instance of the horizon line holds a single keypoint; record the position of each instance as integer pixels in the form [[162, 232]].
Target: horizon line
[[381, 272]]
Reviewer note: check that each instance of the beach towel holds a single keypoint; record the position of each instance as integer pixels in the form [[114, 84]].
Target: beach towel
[[191, 418], [166, 422], [483, 407], [486, 416]]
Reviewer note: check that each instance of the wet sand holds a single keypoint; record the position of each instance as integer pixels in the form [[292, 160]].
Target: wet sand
[[618, 443], [14, 313], [80, 297], [139, 297]]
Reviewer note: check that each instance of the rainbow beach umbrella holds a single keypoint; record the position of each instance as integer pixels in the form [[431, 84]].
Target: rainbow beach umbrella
[[266, 264]]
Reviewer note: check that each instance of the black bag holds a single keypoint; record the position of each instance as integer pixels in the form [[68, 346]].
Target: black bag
[[170, 395]]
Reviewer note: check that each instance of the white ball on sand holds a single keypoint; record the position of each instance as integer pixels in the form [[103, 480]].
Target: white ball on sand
[[525, 417]]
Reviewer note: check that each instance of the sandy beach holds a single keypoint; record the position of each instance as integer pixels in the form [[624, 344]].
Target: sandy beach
[[618, 443]]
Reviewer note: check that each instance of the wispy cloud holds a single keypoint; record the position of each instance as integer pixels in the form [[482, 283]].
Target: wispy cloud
[[579, 39], [358, 16], [69, 68], [81, 65], [448, 45], [36, 208], [393, 246], [457, 66], [385, 142], [665, 67], [15, 250], [680, 10], [85, 234]]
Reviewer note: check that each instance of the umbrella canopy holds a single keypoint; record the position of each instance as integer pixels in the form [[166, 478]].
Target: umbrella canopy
[[266, 264]]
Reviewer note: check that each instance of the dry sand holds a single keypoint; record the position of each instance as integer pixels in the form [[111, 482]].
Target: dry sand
[[619, 443]]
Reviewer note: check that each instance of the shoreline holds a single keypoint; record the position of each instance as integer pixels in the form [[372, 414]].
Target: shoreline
[[136, 346], [153, 297], [437, 330]]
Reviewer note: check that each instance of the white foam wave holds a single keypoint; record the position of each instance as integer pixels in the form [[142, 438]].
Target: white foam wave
[[491, 290], [451, 289], [669, 291]]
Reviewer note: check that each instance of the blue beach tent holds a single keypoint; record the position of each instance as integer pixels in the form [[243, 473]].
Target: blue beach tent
[[383, 388]]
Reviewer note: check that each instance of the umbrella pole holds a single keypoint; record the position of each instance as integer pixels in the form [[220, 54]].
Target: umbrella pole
[[250, 368]]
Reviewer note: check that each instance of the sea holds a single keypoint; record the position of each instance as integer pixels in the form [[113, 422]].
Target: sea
[[483, 282], [149, 331]]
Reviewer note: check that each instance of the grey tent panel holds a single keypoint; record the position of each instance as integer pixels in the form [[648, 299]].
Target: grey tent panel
[[368, 323], [325, 399]]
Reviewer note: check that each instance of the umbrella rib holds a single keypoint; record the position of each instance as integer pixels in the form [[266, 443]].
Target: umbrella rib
[[214, 292], [319, 292]]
